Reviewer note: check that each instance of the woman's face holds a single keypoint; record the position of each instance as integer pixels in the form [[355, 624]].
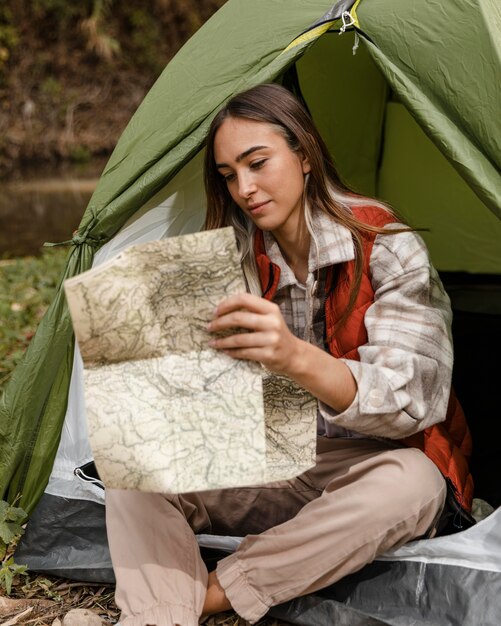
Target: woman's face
[[263, 175]]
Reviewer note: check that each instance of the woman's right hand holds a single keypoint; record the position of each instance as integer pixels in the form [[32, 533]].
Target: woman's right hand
[[269, 341]]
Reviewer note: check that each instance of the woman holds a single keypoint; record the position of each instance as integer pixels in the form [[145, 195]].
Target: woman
[[344, 301]]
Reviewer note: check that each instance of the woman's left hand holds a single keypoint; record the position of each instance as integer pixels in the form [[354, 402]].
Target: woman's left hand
[[268, 341]]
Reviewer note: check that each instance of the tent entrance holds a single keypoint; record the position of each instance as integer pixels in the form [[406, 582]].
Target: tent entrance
[[380, 150]]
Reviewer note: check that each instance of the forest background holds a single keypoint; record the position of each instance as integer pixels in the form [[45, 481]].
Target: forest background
[[72, 73]]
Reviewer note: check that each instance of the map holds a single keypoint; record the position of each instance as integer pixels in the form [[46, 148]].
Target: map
[[165, 412]]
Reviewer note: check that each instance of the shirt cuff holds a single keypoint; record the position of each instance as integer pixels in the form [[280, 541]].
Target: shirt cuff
[[376, 409]]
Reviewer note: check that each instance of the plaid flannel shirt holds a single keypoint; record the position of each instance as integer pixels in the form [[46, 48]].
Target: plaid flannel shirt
[[404, 373]]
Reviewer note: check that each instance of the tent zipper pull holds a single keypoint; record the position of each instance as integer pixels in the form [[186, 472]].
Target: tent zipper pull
[[87, 479], [348, 20]]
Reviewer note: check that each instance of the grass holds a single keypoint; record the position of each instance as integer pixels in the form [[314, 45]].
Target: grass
[[26, 289]]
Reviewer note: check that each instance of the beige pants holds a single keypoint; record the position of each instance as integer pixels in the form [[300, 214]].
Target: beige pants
[[362, 498]]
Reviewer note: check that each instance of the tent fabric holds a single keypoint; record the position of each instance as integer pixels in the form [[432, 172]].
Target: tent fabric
[[455, 222], [168, 129], [445, 66], [347, 98], [380, 150]]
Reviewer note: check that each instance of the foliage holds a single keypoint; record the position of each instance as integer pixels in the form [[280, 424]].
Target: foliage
[[145, 38], [8, 572], [80, 154], [61, 9], [73, 73], [26, 289], [98, 40], [51, 88], [9, 37], [11, 518], [10, 525]]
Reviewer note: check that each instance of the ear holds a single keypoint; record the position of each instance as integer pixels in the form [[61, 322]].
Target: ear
[[305, 164]]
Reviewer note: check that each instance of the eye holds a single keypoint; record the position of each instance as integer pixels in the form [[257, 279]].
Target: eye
[[228, 177], [257, 165]]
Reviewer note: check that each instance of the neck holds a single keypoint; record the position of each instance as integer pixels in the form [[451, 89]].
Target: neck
[[295, 247]]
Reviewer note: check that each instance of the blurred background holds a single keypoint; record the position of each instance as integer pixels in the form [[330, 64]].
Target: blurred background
[[71, 76]]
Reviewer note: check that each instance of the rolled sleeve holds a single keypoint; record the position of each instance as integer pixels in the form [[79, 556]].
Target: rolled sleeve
[[404, 373]]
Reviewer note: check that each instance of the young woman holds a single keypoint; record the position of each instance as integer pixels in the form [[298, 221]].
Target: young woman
[[343, 300]]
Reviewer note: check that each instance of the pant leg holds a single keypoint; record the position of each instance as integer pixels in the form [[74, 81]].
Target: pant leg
[[373, 499], [161, 578]]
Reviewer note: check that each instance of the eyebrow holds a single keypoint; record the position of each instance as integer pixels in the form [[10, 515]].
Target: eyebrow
[[241, 156]]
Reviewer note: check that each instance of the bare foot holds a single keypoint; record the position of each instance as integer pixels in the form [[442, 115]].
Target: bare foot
[[215, 599]]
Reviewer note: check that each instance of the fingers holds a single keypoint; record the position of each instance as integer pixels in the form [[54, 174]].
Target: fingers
[[245, 311], [248, 301], [243, 340], [269, 340], [243, 319], [247, 354]]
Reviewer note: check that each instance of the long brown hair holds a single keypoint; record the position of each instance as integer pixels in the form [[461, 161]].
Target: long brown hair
[[324, 190]]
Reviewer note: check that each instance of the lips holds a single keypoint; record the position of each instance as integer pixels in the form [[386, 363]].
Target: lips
[[254, 208]]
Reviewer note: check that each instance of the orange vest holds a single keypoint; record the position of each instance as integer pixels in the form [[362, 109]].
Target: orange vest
[[447, 444]]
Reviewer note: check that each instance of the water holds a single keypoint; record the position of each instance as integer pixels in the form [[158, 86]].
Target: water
[[43, 204]]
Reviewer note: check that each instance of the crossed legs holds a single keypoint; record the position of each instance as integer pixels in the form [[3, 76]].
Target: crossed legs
[[362, 498]]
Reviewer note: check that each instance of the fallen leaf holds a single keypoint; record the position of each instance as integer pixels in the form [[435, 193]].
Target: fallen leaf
[[10, 606], [15, 620]]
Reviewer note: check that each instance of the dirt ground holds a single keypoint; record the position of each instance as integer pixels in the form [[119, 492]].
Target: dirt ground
[[42, 600]]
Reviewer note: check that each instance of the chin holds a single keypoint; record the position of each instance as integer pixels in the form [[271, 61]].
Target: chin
[[265, 224]]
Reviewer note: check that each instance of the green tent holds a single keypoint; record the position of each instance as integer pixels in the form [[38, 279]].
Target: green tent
[[406, 95]]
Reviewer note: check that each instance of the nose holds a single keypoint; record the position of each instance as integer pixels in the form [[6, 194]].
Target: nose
[[246, 184]]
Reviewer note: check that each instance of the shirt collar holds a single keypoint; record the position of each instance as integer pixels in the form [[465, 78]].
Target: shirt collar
[[335, 245]]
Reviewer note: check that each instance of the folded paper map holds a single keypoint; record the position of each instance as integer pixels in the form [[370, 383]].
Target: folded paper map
[[165, 412]]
